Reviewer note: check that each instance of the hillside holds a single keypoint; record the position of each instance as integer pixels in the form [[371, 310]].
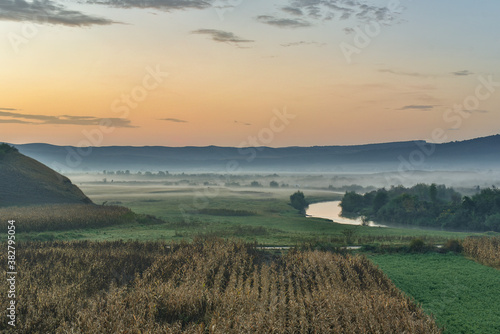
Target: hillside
[[25, 181], [479, 153]]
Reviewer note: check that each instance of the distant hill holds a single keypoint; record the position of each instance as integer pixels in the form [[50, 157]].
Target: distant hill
[[479, 153], [25, 181]]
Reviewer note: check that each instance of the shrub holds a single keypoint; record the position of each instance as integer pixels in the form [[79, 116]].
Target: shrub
[[417, 245], [298, 201], [274, 184], [6, 148], [453, 245]]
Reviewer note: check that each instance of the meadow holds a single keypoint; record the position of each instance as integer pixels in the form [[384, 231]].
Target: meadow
[[207, 286], [188, 206], [461, 294]]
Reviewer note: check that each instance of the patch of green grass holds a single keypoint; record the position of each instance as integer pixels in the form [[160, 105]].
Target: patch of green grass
[[462, 294], [224, 212]]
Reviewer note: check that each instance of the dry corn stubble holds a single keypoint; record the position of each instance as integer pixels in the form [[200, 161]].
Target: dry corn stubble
[[485, 250], [208, 286]]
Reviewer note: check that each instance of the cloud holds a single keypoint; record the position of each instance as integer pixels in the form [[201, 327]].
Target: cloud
[[411, 74], [64, 119], [283, 23], [242, 123], [47, 12], [302, 43], [349, 31], [480, 111], [346, 9], [57, 12], [222, 36], [175, 120], [292, 10], [462, 73], [427, 107], [417, 107], [8, 109], [166, 5], [16, 121]]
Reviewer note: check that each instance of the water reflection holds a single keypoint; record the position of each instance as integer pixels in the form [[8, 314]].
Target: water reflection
[[331, 210]]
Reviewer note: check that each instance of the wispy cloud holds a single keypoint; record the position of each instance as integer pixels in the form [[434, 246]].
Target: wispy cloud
[[14, 121], [175, 120], [302, 43], [411, 74], [222, 36], [166, 5], [349, 31], [283, 22], [59, 12], [462, 73], [478, 111], [47, 11], [427, 107], [9, 109], [242, 123], [418, 107], [343, 10], [292, 10], [13, 117]]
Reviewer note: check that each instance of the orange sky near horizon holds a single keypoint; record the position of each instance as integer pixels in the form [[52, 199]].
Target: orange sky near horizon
[[228, 74]]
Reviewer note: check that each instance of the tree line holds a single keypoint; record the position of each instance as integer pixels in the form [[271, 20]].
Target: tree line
[[428, 206]]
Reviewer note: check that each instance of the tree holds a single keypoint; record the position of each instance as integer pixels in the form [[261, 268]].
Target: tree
[[433, 193], [6, 148], [380, 200], [352, 202], [349, 234], [298, 201], [255, 184], [274, 184], [493, 222]]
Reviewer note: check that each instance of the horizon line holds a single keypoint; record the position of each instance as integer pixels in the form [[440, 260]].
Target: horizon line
[[272, 147]]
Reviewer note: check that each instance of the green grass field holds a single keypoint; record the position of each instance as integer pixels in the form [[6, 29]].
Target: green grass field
[[252, 214], [463, 295]]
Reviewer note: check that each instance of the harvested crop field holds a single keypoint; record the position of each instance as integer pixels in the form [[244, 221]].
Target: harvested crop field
[[208, 286]]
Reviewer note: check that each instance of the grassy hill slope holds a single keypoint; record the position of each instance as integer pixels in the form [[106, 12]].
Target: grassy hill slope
[[25, 181]]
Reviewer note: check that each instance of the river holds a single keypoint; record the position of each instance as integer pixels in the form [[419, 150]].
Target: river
[[331, 210]]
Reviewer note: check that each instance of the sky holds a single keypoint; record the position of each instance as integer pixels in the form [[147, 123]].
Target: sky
[[248, 72]]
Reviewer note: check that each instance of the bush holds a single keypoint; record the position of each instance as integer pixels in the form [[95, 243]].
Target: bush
[[6, 148], [274, 184], [417, 245], [298, 201], [453, 245]]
